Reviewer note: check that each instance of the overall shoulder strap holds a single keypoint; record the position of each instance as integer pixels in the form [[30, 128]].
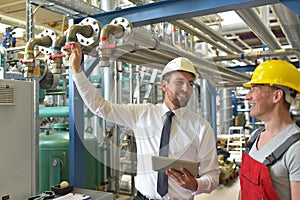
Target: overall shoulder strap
[[252, 139], [273, 157]]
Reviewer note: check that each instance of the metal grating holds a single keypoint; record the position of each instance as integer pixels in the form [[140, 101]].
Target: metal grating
[[7, 94]]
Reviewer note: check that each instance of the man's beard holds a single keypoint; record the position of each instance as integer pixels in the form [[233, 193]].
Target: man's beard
[[175, 101]]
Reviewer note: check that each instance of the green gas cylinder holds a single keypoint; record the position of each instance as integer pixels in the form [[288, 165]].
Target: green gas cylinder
[[54, 158]]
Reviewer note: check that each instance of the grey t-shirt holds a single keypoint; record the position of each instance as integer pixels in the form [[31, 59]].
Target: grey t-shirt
[[288, 167]]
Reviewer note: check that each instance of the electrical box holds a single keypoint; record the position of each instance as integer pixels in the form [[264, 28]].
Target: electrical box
[[16, 138]]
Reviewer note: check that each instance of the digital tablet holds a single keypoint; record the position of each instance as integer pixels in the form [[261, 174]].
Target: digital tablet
[[161, 164]]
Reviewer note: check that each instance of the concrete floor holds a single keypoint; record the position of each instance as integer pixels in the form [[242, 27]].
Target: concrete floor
[[222, 192]]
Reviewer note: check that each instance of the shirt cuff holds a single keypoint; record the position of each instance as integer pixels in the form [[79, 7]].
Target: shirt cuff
[[79, 78]]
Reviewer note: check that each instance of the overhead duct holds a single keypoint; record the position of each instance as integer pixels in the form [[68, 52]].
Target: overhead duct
[[289, 23]]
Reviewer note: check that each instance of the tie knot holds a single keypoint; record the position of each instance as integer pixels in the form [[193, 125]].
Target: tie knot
[[170, 114]]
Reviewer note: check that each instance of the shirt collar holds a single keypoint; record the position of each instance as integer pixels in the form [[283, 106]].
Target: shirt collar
[[178, 112]]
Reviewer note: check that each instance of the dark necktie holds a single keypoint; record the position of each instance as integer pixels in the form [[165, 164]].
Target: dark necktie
[[162, 181]]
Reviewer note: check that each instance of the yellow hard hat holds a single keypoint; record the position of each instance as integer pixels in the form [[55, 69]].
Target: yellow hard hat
[[276, 72], [180, 64]]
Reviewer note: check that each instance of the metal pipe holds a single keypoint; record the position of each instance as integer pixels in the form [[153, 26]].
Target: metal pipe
[[84, 30], [263, 32], [87, 34], [56, 61], [45, 41], [289, 23], [214, 34], [116, 133], [29, 56], [29, 21], [208, 70], [258, 54], [204, 66], [137, 38], [105, 53], [60, 41], [181, 24], [139, 60], [225, 45], [140, 35], [59, 111]]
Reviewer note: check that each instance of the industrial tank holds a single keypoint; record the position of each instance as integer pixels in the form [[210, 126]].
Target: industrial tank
[[54, 158]]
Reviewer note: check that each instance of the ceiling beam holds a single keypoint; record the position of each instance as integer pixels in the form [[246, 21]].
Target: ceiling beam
[[294, 5], [169, 10]]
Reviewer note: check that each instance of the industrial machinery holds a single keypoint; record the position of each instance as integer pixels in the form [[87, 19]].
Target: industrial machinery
[[17, 140], [124, 63]]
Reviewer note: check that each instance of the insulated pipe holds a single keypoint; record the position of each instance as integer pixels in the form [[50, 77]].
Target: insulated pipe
[[213, 34], [263, 32], [289, 22], [181, 24], [204, 37], [205, 66], [208, 70], [148, 53], [258, 54], [119, 33], [139, 59], [137, 38]]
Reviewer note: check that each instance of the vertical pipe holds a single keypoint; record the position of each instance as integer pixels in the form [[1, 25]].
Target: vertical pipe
[[108, 5], [138, 85], [192, 43], [130, 83], [226, 109], [205, 100], [29, 21], [186, 41], [208, 103], [173, 33], [132, 164], [35, 138], [116, 135]]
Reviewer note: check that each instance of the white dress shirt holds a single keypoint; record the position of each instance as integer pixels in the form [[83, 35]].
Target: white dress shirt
[[191, 138]]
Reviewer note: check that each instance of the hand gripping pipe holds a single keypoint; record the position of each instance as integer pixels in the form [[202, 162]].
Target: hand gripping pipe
[[87, 34], [120, 41]]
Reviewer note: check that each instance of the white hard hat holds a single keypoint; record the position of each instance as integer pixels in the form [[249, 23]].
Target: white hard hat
[[180, 64]]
